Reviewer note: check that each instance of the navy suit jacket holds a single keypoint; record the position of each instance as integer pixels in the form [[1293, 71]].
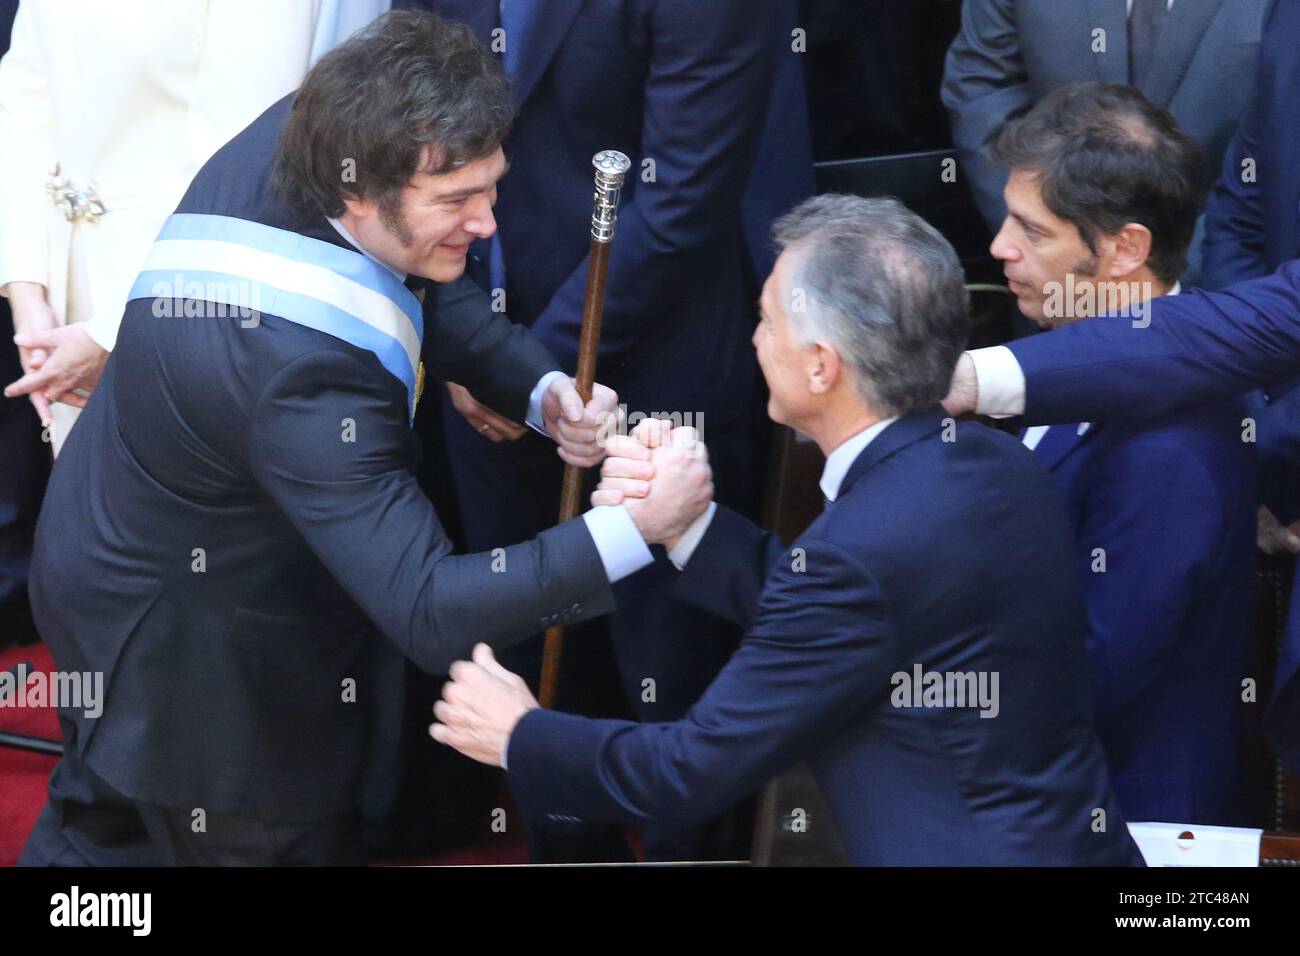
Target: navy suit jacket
[[953, 555], [1170, 505], [226, 677], [678, 83], [1252, 226], [1200, 346]]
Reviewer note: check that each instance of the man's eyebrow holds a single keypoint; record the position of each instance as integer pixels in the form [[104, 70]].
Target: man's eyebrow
[[465, 193], [1037, 227]]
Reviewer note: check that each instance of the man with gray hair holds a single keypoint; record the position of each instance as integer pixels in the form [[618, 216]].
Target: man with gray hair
[[878, 645]]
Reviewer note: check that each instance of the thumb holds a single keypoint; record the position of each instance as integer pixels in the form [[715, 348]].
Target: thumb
[[484, 658], [570, 401]]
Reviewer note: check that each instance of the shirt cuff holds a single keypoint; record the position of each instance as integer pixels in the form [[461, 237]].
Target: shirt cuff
[[690, 540], [622, 549], [1000, 382], [535, 420], [505, 749]]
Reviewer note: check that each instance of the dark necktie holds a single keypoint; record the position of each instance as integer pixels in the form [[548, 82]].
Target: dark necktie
[[1144, 22]]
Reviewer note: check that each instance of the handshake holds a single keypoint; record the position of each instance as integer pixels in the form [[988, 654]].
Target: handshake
[[661, 475]]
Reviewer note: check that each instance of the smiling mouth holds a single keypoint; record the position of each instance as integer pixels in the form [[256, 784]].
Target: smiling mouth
[[457, 250]]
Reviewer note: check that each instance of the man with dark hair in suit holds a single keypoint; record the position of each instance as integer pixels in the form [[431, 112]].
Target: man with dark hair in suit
[[941, 696], [240, 514], [1101, 200], [1195, 347]]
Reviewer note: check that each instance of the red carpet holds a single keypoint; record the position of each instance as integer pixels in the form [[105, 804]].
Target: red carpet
[[23, 775]]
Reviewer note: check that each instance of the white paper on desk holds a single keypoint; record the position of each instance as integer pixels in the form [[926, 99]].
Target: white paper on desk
[[1161, 845]]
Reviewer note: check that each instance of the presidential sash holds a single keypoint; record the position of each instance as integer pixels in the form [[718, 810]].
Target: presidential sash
[[250, 268]]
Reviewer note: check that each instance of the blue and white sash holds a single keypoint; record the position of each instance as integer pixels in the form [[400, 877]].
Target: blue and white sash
[[257, 268]]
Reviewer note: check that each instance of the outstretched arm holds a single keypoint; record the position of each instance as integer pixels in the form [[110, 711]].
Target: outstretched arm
[[1198, 347]]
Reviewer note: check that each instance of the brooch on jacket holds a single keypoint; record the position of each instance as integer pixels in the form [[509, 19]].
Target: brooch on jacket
[[72, 202]]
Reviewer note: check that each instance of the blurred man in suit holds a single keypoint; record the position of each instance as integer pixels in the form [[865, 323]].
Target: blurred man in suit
[[237, 508], [862, 320], [1101, 201], [1198, 347], [682, 88], [1252, 226], [1194, 58]]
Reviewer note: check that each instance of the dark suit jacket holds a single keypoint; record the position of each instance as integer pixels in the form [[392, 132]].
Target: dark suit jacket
[[678, 82], [1252, 226], [1170, 506], [949, 554], [226, 679], [1009, 53]]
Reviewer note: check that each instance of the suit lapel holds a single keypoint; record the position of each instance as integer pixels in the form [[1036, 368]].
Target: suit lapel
[[894, 438], [1182, 33], [1111, 16], [1059, 441], [548, 30]]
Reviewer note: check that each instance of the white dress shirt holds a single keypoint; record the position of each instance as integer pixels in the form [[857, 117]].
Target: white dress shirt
[[1129, 11], [839, 461]]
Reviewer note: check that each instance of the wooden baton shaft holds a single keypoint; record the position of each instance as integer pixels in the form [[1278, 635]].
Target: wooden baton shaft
[[611, 167], [593, 312]]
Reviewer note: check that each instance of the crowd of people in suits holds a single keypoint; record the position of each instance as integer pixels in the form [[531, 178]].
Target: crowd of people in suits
[[251, 495]]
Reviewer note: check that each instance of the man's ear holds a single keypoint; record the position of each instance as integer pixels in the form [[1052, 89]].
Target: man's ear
[[1132, 250], [357, 208], [824, 368]]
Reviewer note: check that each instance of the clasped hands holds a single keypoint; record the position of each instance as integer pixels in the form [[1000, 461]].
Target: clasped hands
[[58, 362], [661, 475]]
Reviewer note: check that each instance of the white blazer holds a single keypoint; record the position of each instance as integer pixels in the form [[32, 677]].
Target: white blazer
[[131, 98]]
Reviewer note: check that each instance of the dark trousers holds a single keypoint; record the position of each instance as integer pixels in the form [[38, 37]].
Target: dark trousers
[[666, 652], [22, 483], [86, 822]]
